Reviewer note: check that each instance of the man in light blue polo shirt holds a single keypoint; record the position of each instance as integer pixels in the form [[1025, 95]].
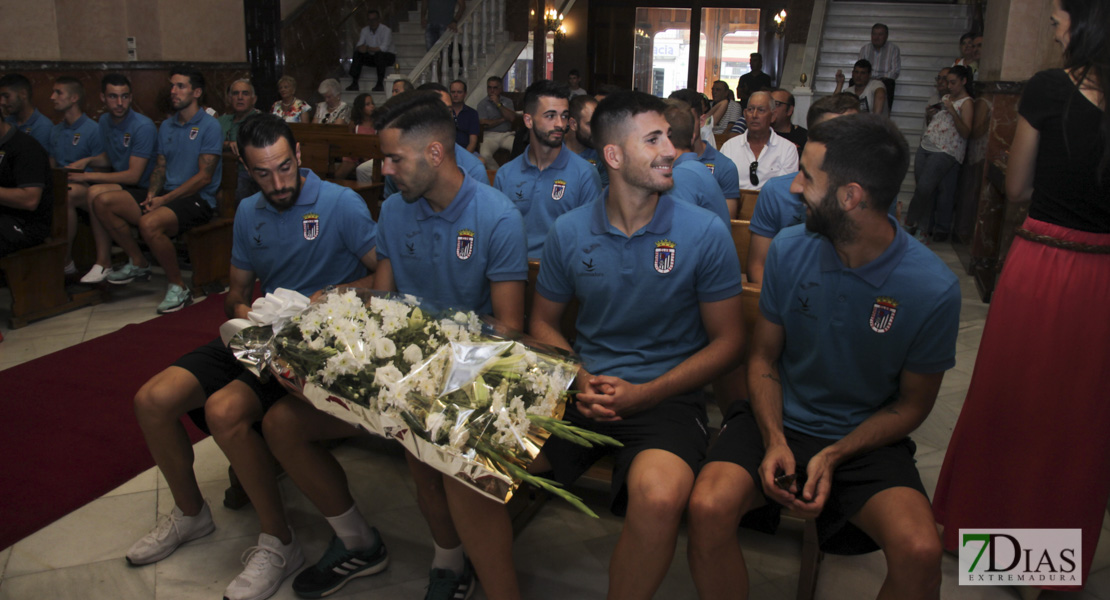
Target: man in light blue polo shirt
[[579, 137], [458, 244], [721, 166], [129, 140], [658, 286], [298, 233], [693, 182], [76, 136], [182, 192], [777, 207], [15, 104], [858, 324], [548, 179]]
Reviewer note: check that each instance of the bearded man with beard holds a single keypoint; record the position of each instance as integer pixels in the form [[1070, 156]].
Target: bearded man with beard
[[580, 137], [548, 179], [858, 324], [298, 233]]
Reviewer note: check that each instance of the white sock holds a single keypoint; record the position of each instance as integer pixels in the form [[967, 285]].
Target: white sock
[[352, 529], [450, 559]]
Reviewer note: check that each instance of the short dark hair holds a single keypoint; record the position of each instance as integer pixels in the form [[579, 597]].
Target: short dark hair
[[543, 87], [618, 107], [75, 87], [728, 89], [682, 123], [866, 149], [374, 11], [881, 26], [116, 79], [863, 63], [607, 88], [967, 36], [196, 78], [756, 55], [578, 103], [789, 96], [419, 112], [434, 86], [689, 97], [465, 87], [16, 82], [263, 130], [833, 104], [493, 78], [574, 72], [406, 85]]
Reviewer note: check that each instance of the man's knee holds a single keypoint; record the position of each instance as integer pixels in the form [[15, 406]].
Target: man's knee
[[280, 424], [167, 394], [659, 498], [919, 550], [232, 411], [152, 225]]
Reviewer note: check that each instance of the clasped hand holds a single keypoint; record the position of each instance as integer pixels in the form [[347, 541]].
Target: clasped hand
[[779, 460], [606, 398]]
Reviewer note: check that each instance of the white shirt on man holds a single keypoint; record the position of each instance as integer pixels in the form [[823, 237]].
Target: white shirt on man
[[381, 38], [778, 157]]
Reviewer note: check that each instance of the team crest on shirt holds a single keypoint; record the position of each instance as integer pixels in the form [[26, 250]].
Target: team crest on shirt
[[76, 138], [664, 256], [882, 314], [126, 140], [710, 165], [558, 189], [194, 132], [464, 244], [311, 223]]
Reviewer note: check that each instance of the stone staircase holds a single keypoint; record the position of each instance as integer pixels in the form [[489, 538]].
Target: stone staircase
[[928, 36]]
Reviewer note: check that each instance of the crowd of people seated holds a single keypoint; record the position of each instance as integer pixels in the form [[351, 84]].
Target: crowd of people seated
[[627, 205]]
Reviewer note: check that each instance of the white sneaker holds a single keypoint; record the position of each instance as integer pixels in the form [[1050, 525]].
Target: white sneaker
[[70, 269], [95, 275], [171, 531], [267, 565]]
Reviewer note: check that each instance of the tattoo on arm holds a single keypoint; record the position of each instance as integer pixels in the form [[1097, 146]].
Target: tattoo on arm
[[772, 377], [158, 176], [208, 163]]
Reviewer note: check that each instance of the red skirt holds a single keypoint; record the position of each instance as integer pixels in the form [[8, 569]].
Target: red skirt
[[1031, 448]]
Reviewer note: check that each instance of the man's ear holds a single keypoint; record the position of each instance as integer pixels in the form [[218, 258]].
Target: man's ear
[[851, 196], [572, 124], [613, 155], [528, 120], [434, 153], [297, 154]]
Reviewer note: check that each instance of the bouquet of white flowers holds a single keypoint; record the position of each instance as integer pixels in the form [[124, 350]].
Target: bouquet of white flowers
[[460, 397]]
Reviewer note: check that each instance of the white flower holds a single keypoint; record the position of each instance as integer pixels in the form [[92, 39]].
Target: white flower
[[412, 354], [384, 347], [434, 423], [387, 376], [459, 436]]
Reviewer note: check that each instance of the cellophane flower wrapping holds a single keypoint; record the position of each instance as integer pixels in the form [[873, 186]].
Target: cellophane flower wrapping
[[458, 393]]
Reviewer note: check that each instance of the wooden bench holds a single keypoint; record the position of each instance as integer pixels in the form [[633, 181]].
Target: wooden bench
[[747, 204], [209, 245], [36, 275], [742, 239], [323, 145]]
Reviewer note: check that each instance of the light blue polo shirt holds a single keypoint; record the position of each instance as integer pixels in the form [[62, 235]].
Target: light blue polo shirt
[[37, 126], [542, 196], [183, 143], [777, 208], [638, 296], [591, 156], [449, 258], [319, 241], [694, 183], [470, 164], [723, 170], [849, 333], [135, 135], [69, 143]]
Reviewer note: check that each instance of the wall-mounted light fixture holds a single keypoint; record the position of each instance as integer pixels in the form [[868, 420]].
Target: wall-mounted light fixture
[[780, 23], [553, 21]]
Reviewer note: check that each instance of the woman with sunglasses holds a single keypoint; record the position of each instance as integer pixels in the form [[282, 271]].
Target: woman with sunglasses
[[938, 160], [1031, 449]]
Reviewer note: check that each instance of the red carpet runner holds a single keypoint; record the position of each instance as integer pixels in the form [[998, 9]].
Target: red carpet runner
[[68, 433]]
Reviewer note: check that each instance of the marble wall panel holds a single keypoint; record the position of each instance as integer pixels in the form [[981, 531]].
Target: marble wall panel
[[28, 31]]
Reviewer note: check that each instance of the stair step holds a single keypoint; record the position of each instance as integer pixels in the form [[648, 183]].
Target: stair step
[[918, 61], [899, 27], [881, 12]]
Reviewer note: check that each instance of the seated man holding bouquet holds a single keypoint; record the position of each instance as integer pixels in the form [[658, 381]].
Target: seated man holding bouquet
[[456, 243], [298, 233], [643, 369]]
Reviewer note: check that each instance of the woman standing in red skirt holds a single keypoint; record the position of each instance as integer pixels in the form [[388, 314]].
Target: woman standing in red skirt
[[1031, 448]]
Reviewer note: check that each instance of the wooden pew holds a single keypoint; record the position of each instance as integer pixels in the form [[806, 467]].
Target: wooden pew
[[742, 239], [36, 275], [747, 204], [209, 245], [323, 145]]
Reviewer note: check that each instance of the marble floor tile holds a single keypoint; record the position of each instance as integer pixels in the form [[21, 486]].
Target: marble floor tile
[[143, 482], [209, 463], [18, 351], [5, 554], [101, 530], [105, 580]]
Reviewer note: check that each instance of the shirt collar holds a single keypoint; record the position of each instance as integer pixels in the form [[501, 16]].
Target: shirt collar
[[310, 189], [660, 221], [709, 154], [560, 161], [122, 122], [76, 124], [454, 210], [193, 121], [876, 272], [685, 156], [771, 142]]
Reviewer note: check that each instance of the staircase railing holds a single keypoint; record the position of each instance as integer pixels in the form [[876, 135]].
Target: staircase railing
[[457, 53]]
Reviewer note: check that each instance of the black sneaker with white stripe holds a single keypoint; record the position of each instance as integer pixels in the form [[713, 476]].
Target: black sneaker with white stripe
[[338, 566], [444, 584]]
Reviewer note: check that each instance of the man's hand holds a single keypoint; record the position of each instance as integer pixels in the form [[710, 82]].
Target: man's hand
[[363, 48], [839, 77], [152, 202], [78, 177], [234, 147], [819, 475], [611, 398], [452, 26], [778, 460]]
